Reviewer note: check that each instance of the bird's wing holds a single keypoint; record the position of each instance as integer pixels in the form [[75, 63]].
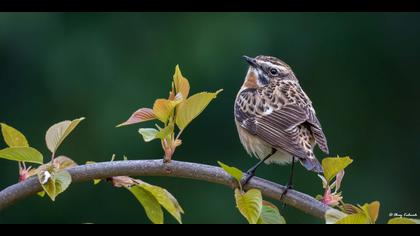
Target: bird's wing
[[280, 129], [279, 126]]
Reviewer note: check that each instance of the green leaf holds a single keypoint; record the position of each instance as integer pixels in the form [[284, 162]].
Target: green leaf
[[150, 204], [189, 109], [141, 115], [182, 85], [333, 165], [165, 132], [54, 183], [25, 154], [233, 171], [270, 214], [403, 221], [372, 210], [58, 132], [166, 199], [359, 218], [41, 194], [62, 181], [249, 204], [13, 137], [148, 134]]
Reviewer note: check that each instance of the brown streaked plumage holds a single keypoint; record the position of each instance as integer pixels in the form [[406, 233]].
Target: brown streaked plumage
[[272, 112]]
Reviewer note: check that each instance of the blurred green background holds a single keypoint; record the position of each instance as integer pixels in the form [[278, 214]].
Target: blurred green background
[[361, 70]]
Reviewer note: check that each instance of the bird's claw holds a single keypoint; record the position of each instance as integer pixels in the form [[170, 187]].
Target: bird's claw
[[249, 175]]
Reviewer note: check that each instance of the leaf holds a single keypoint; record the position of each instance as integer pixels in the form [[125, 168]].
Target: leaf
[[41, 193], [189, 109], [403, 221], [166, 199], [148, 134], [62, 181], [182, 85], [338, 179], [165, 132], [333, 215], [358, 218], [54, 183], [58, 132], [123, 181], [270, 214], [372, 210], [141, 115], [25, 154], [350, 209], [163, 108], [234, 172], [249, 204], [13, 137], [64, 162], [150, 204], [333, 165]]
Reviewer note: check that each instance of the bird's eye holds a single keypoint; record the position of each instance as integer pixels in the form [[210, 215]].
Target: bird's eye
[[274, 71]]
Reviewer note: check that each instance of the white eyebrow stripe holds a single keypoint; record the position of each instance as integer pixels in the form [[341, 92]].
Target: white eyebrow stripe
[[282, 68]]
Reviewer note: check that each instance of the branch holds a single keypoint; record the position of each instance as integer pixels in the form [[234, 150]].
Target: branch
[[178, 169]]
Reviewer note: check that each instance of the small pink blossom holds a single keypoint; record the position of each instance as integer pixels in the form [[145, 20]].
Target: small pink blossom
[[24, 173]]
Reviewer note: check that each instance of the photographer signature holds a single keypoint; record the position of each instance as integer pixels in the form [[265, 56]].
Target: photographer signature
[[403, 214]]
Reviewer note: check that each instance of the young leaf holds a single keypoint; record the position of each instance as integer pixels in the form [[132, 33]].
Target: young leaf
[[403, 221], [13, 137], [64, 162], [372, 210], [58, 132], [182, 85], [166, 199], [359, 218], [234, 172], [189, 109], [350, 209], [62, 181], [54, 183], [333, 165], [163, 108], [141, 115], [165, 132], [41, 194], [25, 154], [150, 204], [249, 204], [270, 214], [148, 134]]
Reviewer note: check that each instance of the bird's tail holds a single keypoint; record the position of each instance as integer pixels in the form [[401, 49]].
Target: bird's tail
[[311, 164]]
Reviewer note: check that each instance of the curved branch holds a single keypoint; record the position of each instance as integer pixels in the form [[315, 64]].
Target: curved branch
[[178, 169]]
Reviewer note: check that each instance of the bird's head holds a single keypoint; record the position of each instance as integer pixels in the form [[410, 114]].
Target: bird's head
[[263, 69]]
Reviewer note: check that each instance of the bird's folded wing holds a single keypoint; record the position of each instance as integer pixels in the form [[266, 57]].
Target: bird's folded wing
[[280, 128]]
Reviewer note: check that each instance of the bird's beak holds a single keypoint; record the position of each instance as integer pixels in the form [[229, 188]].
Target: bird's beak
[[251, 61]]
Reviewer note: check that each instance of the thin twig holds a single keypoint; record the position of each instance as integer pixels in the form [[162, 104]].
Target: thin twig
[[301, 201]]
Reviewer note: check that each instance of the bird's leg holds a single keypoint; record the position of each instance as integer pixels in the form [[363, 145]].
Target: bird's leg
[[290, 183], [251, 172]]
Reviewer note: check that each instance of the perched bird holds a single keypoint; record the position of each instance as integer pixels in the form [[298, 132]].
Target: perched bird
[[275, 118]]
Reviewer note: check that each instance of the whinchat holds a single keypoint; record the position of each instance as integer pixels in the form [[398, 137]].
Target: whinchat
[[275, 118]]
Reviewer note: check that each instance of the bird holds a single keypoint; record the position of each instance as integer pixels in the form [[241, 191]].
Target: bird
[[275, 118]]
